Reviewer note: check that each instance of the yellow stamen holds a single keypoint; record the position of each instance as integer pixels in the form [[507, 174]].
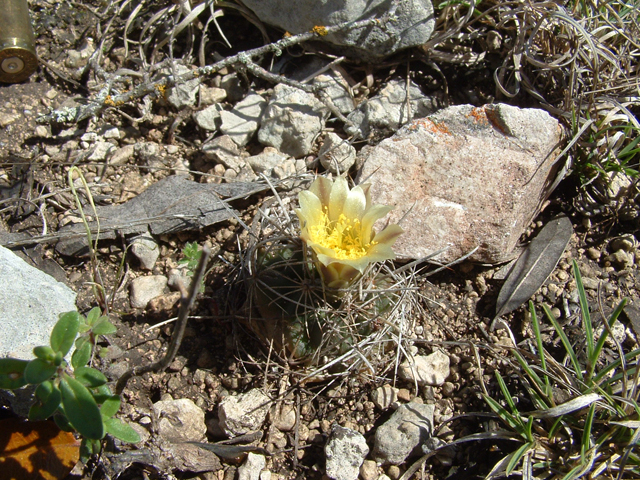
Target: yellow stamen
[[343, 236]]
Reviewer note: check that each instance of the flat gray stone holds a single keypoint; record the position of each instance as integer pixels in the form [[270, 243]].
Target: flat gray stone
[[171, 205], [208, 118], [30, 302], [412, 26], [243, 121], [251, 468], [465, 177], [266, 161], [410, 426]]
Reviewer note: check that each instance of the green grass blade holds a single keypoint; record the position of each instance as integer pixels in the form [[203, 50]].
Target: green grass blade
[[605, 333], [585, 444], [503, 413], [507, 395], [565, 342], [543, 363], [584, 307], [516, 457], [604, 372]]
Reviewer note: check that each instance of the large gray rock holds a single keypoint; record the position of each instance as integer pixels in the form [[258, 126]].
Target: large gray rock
[[409, 427], [412, 26], [30, 302], [345, 450], [292, 121], [465, 177]]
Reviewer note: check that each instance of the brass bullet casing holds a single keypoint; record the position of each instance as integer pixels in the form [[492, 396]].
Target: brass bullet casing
[[17, 43]]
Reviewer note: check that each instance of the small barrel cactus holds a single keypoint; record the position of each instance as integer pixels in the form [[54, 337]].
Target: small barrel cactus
[[318, 293]]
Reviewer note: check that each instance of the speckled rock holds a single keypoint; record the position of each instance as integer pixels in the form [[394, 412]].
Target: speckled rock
[[345, 451], [465, 177]]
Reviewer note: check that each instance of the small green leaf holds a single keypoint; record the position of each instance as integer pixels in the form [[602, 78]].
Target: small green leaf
[[104, 327], [88, 448], [110, 406], [121, 431], [62, 422], [48, 400], [103, 352], [102, 394], [93, 315], [82, 355], [12, 373], [65, 331], [90, 377], [81, 409], [57, 360], [38, 371], [45, 353]]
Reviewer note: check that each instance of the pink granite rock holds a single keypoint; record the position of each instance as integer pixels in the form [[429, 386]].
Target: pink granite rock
[[467, 177]]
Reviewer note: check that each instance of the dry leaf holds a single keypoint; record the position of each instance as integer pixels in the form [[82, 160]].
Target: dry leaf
[[534, 266], [36, 450]]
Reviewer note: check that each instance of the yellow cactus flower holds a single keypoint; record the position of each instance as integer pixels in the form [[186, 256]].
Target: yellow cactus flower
[[336, 223]]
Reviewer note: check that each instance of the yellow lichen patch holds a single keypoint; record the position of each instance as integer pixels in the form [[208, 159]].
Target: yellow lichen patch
[[320, 30], [162, 90]]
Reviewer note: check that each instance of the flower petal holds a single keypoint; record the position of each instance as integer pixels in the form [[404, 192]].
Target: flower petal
[[339, 193], [389, 235], [355, 204], [321, 187], [366, 188], [374, 213], [310, 211], [327, 253], [380, 253]]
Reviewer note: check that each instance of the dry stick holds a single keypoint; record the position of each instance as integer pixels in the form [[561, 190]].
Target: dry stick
[[105, 100], [176, 339]]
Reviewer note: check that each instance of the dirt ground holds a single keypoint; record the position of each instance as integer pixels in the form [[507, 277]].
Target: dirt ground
[[219, 356]]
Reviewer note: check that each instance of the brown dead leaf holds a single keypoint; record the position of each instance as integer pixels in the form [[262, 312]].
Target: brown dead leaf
[[36, 450]]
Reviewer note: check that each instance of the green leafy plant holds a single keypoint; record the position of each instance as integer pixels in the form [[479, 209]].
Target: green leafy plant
[[75, 394], [585, 420], [192, 254]]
